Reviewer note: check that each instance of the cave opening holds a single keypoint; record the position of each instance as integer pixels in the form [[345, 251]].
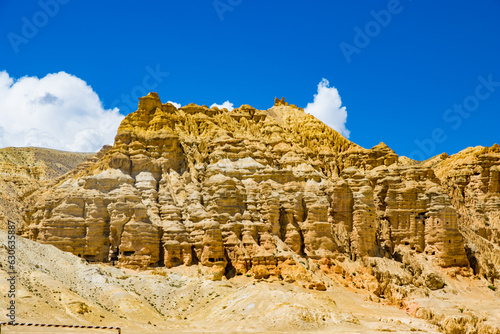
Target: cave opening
[[283, 223], [175, 261], [161, 256], [194, 257], [474, 263], [230, 270]]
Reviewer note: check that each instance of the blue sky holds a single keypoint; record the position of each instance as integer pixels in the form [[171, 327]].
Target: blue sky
[[399, 86]]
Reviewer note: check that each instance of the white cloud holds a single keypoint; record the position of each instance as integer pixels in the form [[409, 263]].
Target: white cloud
[[177, 105], [327, 108], [228, 105], [58, 111]]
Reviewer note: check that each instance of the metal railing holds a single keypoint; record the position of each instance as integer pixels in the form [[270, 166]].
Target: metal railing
[[57, 326]]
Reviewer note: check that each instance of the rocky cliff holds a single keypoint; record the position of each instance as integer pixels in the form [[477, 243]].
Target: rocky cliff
[[472, 180], [249, 192], [23, 170]]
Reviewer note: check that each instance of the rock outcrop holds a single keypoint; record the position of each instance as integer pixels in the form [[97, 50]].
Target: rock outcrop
[[246, 192], [472, 180], [23, 170]]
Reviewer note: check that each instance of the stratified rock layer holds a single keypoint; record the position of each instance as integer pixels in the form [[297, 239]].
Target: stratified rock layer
[[472, 179], [244, 192], [23, 170]]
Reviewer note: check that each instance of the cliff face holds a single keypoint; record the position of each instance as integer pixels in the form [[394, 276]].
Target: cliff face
[[245, 192], [471, 178]]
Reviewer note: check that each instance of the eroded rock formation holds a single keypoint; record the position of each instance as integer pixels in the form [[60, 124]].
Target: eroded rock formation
[[23, 170], [471, 178], [246, 192]]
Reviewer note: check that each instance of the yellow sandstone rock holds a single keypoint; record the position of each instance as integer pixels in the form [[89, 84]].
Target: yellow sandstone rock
[[246, 192]]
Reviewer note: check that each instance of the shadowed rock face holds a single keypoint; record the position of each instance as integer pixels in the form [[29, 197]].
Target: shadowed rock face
[[244, 192]]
